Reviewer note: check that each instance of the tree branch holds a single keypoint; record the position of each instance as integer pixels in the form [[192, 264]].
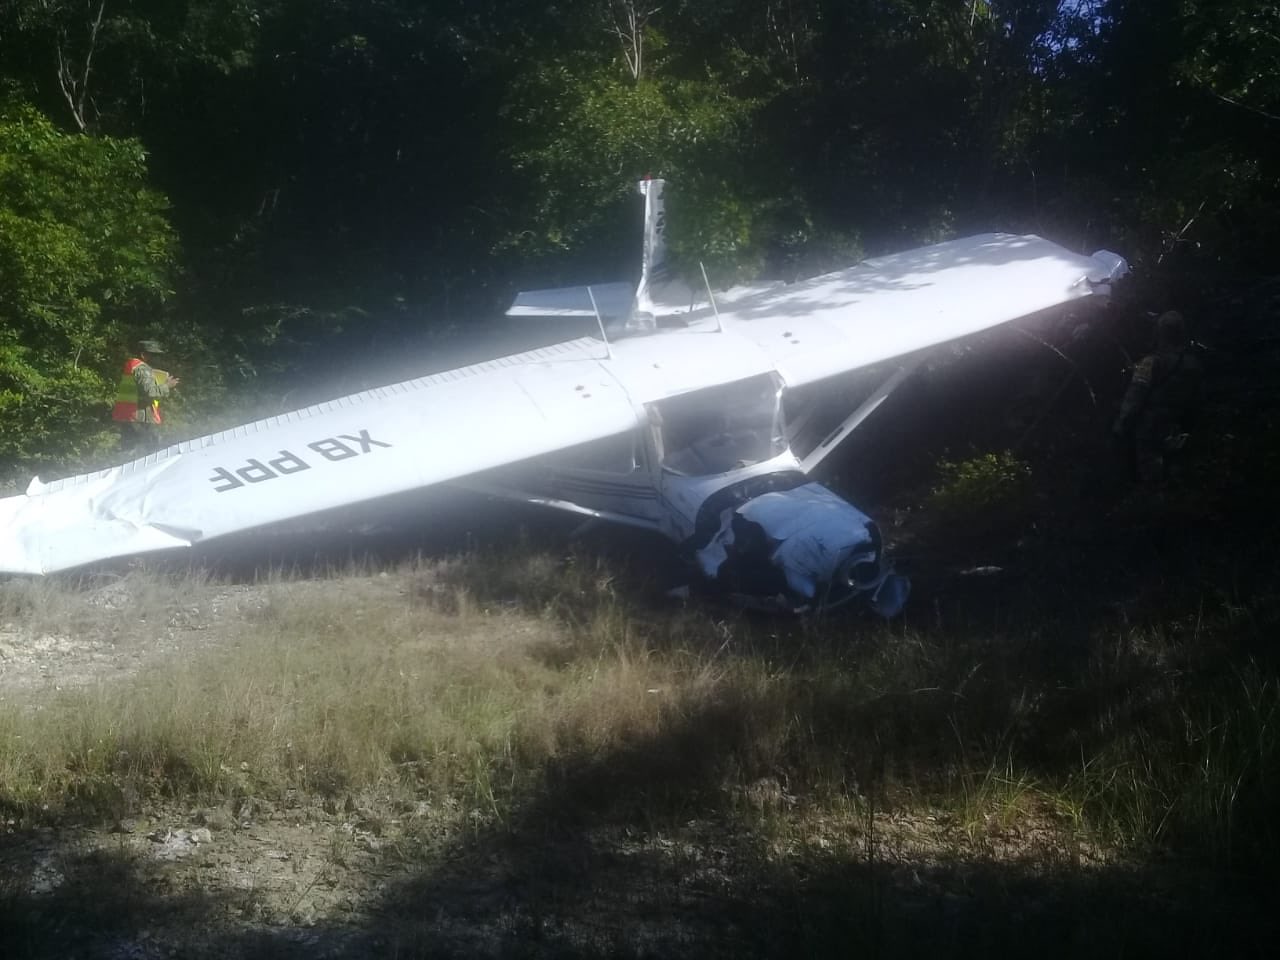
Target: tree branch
[[1176, 238], [630, 32], [1245, 106], [75, 89]]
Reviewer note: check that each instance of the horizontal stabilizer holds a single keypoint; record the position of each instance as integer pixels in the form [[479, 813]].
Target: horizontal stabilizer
[[613, 299]]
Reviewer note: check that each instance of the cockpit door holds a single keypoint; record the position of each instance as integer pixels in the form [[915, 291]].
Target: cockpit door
[[701, 441]]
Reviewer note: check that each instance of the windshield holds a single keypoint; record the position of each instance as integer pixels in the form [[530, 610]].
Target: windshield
[[722, 429]]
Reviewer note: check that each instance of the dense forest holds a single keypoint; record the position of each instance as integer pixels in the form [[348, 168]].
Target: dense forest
[[291, 191]]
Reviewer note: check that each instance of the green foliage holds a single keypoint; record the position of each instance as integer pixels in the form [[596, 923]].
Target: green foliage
[[584, 136], [982, 486], [720, 227], [1235, 52], [85, 260], [1154, 137]]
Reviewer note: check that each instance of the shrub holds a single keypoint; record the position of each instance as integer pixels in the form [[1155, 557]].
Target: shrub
[[981, 487]]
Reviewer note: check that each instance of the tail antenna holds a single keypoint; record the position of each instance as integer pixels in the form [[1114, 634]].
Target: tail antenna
[[712, 297], [608, 351]]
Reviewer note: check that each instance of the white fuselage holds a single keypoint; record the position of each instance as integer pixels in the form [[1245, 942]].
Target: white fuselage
[[712, 471]]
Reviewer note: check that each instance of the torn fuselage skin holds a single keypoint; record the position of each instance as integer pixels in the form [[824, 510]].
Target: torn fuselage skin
[[800, 549], [744, 510]]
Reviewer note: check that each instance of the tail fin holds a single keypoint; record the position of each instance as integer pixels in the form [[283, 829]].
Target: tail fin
[[660, 292], [653, 266]]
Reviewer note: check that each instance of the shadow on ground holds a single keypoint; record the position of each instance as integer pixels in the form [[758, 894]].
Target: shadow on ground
[[633, 855]]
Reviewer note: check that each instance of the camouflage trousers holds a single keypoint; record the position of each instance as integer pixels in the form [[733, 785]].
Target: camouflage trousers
[[139, 439]]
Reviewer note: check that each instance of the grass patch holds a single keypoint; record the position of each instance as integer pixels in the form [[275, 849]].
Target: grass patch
[[1198, 774], [492, 685]]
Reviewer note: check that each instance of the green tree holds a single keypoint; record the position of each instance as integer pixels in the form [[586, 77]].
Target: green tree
[[1155, 137], [646, 92], [86, 255]]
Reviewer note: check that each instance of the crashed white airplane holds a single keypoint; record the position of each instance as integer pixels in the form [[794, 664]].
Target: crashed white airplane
[[673, 421]]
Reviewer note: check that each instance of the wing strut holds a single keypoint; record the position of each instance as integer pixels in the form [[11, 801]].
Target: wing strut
[[608, 350], [851, 422], [712, 297]]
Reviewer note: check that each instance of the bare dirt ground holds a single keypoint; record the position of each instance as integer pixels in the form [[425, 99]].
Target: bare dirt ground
[[113, 645]]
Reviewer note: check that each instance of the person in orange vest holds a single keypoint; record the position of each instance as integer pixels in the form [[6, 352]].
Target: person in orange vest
[[138, 397]]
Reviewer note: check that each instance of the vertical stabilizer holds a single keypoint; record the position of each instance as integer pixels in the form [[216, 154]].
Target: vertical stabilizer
[[660, 293], [659, 296], [653, 265]]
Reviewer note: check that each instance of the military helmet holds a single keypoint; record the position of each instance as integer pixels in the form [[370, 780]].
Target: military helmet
[[150, 346]]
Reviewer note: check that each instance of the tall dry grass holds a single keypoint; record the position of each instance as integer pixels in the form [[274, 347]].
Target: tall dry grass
[[483, 685]]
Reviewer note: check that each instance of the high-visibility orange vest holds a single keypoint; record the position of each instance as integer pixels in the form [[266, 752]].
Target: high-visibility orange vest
[[130, 405]]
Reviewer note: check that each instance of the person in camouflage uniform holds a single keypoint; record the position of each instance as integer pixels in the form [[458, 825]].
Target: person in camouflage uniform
[[138, 397], [1162, 395]]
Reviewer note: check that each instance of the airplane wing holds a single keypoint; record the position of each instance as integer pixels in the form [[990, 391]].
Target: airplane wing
[[380, 442], [461, 422], [895, 305]]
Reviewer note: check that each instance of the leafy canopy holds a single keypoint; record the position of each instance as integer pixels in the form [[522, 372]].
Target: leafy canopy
[[86, 254]]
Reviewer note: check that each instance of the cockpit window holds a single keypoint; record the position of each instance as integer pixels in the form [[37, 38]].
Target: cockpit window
[[722, 429]]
